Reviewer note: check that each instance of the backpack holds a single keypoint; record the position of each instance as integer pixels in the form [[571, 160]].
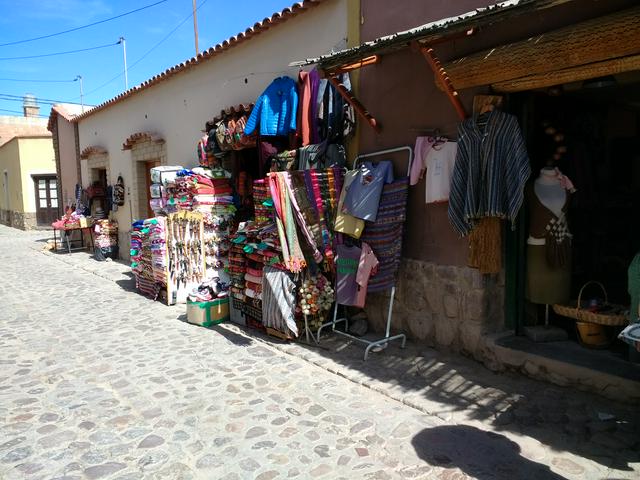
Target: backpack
[[118, 192]]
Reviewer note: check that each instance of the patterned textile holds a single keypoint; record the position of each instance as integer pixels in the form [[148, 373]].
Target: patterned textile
[[491, 169], [384, 236], [278, 300]]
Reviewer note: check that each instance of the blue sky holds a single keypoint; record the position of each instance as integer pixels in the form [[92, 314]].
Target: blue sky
[[217, 20]]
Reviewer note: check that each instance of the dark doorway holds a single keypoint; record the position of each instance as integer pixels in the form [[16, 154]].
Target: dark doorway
[[147, 169], [46, 187]]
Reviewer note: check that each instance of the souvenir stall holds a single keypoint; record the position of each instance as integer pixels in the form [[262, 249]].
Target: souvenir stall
[[105, 239]]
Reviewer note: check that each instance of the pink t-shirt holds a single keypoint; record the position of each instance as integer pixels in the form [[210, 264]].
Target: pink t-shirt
[[354, 267], [368, 266]]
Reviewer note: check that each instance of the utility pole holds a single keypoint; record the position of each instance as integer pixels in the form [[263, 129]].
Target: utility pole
[[124, 53], [195, 26], [79, 78]]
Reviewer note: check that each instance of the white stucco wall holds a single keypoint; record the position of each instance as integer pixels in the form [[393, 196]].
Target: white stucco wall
[[178, 108]]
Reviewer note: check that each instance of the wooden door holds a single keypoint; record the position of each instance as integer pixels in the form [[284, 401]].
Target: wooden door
[[148, 166], [46, 187]]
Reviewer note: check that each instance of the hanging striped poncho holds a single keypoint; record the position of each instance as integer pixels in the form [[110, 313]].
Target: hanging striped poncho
[[491, 169]]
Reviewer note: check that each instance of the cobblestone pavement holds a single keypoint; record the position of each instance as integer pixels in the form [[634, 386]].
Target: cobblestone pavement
[[97, 382]]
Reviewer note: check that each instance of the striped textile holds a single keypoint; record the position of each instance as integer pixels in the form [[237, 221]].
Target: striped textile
[[278, 301], [384, 236], [491, 169]]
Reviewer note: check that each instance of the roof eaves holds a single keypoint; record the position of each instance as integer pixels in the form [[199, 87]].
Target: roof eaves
[[430, 31], [258, 27]]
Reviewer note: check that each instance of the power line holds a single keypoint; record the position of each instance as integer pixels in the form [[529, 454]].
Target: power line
[[59, 53], [19, 98], [21, 113], [16, 42], [29, 80], [147, 53]]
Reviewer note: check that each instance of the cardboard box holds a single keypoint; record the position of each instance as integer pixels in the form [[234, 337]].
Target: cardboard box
[[208, 313]]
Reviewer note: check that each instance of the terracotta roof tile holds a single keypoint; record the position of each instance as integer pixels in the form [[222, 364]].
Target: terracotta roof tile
[[92, 150], [249, 33], [140, 137]]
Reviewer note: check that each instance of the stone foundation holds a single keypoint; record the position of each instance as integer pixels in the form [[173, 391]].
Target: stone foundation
[[21, 220], [445, 306]]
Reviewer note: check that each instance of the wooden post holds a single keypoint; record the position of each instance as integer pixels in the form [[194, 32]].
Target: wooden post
[[443, 78]]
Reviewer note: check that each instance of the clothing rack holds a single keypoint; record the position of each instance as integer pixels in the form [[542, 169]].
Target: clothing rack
[[387, 337]]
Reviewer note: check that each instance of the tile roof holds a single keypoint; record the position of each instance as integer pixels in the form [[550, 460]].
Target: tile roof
[[141, 136], [92, 150], [259, 27], [11, 127], [68, 111], [434, 31], [240, 109]]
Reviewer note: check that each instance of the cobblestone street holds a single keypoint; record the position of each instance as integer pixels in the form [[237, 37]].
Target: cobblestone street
[[98, 382]]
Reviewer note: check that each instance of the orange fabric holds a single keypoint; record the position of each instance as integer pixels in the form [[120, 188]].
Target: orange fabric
[[485, 246]]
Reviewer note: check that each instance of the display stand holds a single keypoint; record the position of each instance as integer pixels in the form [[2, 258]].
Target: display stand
[[381, 343], [65, 233]]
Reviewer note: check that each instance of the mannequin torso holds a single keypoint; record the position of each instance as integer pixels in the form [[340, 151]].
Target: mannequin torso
[[550, 193]]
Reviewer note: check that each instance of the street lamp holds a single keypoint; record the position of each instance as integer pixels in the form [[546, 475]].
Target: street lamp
[[79, 78], [124, 53]]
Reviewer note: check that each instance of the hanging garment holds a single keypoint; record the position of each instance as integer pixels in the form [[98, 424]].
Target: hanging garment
[[490, 172], [419, 164], [385, 234], [485, 245], [367, 267], [439, 162], [278, 300], [304, 108], [345, 223], [364, 192], [354, 266], [551, 228], [275, 110]]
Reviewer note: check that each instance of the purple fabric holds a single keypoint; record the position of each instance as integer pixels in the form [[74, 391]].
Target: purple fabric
[[347, 261], [314, 78]]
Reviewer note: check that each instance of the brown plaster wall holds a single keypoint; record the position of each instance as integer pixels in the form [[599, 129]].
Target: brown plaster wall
[[401, 94]]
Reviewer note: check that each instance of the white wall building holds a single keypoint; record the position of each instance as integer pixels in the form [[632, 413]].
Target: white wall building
[[162, 119]]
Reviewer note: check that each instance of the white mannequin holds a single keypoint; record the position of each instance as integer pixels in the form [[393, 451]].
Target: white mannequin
[[550, 191]]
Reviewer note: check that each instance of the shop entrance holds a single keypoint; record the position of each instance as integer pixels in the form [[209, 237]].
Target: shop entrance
[[46, 199], [590, 132]]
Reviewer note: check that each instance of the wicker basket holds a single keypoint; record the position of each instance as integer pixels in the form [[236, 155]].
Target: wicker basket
[[592, 317]]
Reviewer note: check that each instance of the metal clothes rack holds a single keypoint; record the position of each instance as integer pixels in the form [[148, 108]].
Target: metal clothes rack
[[387, 337]]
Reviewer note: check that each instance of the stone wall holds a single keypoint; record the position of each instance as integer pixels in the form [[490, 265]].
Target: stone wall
[[445, 306], [21, 220]]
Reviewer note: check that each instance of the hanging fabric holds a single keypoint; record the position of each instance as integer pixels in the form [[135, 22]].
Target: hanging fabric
[[490, 172]]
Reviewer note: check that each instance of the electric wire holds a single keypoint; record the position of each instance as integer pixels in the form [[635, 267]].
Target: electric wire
[[19, 98], [34, 80], [16, 42], [60, 53], [145, 54], [21, 113]]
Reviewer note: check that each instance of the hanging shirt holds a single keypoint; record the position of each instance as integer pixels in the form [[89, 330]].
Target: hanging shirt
[[347, 260], [367, 267], [345, 223], [440, 162], [353, 268], [419, 164], [364, 193], [491, 169]]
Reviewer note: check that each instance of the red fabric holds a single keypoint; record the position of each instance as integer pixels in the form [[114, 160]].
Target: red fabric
[[304, 108]]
